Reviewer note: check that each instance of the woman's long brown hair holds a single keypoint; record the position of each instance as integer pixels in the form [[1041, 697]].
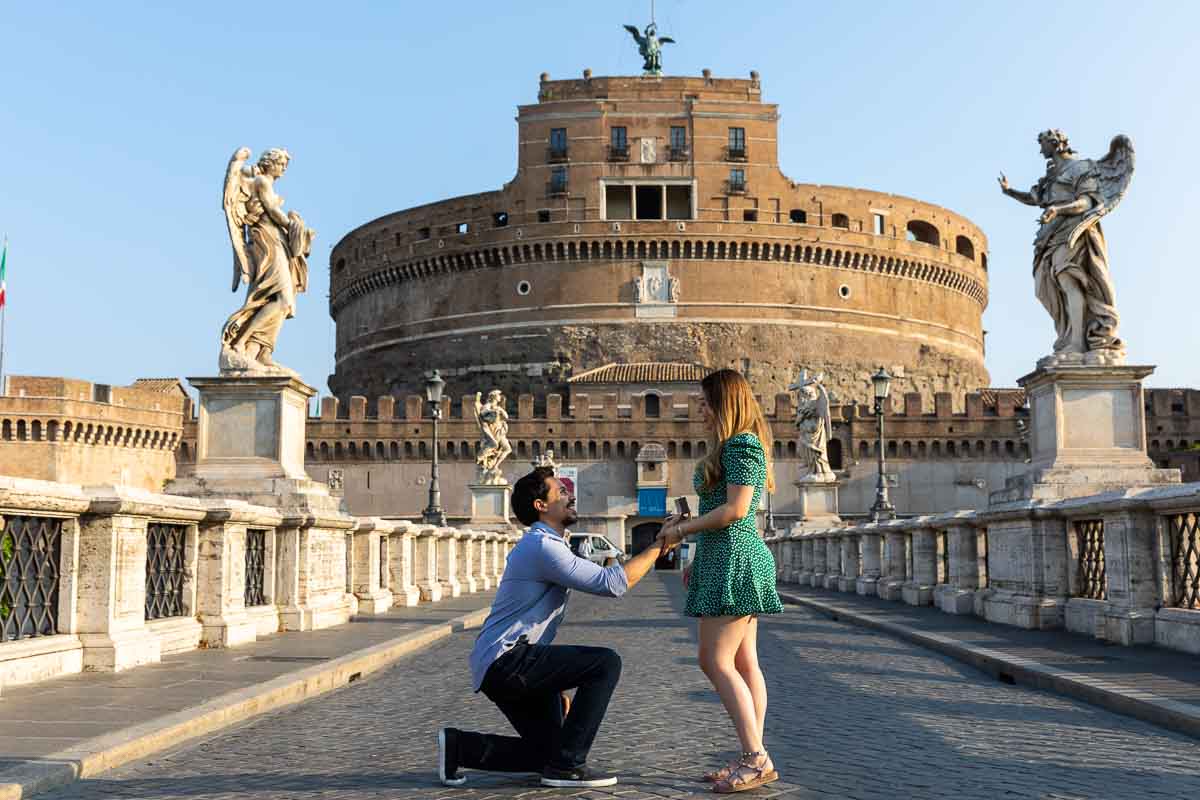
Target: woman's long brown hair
[[735, 411]]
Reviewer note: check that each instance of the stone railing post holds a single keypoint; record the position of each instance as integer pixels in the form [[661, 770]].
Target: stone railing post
[[425, 563], [481, 569], [820, 562], [957, 594], [807, 558], [918, 589], [848, 582], [1027, 567], [447, 562], [872, 556], [368, 559], [401, 563], [894, 573], [466, 554], [833, 557], [1129, 559], [221, 574]]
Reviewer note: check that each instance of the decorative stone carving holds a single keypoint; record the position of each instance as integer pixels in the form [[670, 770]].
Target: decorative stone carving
[[649, 150], [336, 481], [815, 427], [270, 252], [639, 290], [493, 429], [1070, 257], [673, 289], [650, 47], [546, 459]]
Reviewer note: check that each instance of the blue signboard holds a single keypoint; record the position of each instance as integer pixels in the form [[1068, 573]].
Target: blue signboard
[[652, 502]]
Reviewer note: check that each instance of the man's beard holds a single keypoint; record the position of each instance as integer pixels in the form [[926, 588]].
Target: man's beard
[[571, 518]]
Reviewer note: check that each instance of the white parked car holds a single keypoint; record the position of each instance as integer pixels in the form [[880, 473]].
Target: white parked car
[[602, 549]]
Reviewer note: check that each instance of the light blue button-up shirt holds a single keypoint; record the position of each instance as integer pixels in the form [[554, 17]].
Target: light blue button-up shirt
[[532, 596]]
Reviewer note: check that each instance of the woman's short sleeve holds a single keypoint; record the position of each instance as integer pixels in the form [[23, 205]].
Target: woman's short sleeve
[[743, 460]]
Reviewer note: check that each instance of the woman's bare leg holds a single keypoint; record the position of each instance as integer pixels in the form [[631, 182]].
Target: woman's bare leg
[[720, 638], [746, 663]]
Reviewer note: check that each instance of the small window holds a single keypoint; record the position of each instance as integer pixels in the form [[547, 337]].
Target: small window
[[558, 180], [844, 292], [619, 137], [461, 227], [543, 215], [963, 246], [983, 261], [880, 223], [653, 406], [523, 288], [679, 150], [500, 219], [558, 143], [798, 216], [841, 221], [922, 231], [737, 180], [750, 215], [737, 143], [341, 265], [423, 234]]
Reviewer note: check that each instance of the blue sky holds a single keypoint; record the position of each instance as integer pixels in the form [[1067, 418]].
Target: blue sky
[[117, 120]]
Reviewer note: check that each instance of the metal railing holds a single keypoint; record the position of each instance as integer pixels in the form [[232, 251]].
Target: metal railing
[[735, 154], [557, 155], [735, 187], [30, 553], [554, 188], [165, 547], [1184, 531], [1091, 581], [617, 153], [256, 561], [679, 153]]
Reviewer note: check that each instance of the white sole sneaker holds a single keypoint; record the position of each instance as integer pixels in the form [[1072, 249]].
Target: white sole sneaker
[[567, 783], [460, 780]]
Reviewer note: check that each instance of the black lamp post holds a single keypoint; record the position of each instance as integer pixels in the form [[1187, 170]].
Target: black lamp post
[[883, 510], [433, 514], [769, 522]]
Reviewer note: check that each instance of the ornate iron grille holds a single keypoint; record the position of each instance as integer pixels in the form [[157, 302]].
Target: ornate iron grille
[[1089, 535], [256, 560], [943, 549], [383, 562], [164, 570], [1185, 559], [30, 549]]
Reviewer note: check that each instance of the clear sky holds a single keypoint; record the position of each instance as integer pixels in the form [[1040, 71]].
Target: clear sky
[[117, 120]]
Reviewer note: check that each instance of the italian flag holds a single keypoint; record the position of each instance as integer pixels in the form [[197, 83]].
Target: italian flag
[[3, 270]]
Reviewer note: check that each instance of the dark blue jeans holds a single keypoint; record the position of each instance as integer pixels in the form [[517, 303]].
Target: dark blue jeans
[[526, 684]]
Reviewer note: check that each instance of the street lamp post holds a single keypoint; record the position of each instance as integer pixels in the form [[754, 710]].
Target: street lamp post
[[433, 514], [769, 526], [882, 510]]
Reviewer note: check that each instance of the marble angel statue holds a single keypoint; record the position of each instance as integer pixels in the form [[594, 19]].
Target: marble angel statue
[[1070, 258], [270, 252], [493, 432], [815, 427]]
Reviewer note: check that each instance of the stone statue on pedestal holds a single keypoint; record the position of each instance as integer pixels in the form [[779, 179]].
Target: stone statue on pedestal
[[270, 254], [493, 430], [546, 459], [1070, 257], [815, 427]]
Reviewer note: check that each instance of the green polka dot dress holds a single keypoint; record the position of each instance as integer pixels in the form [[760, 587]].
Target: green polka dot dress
[[733, 573]]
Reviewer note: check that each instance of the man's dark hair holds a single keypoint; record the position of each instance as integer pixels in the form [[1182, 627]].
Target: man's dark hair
[[529, 488]]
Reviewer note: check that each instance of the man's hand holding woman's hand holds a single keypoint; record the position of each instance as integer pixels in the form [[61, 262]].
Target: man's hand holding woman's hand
[[670, 536]]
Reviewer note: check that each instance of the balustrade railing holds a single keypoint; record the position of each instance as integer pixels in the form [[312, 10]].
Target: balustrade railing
[[165, 552], [1184, 532], [256, 560], [30, 554], [1089, 537]]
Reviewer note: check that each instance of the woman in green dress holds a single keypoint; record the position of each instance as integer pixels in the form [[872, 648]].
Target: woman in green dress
[[732, 578]]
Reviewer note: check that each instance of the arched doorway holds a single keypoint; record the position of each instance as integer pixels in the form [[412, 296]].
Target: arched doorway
[[642, 536]]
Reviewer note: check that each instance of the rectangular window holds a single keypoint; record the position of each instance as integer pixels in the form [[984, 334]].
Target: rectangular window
[[558, 143], [500, 219], [543, 215], [679, 202], [558, 180], [880, 224], [798, 216], [618, 149], [461, 227], [737, 142], [750, 215], [737, 180], [423, 233], [649, 202], [618, 202], [679, 148]]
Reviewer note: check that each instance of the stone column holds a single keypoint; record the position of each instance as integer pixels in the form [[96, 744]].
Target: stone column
[[820, 563], [918, 589], [833, 557], [221, 574], [447, 562], [425, 563], [481, 569], [1129, 566], [466, 555], [848, 582], [872, 561], [807, 559], [1027, 567], [401, 558], [894, 572], [957, 594], [369, 559]]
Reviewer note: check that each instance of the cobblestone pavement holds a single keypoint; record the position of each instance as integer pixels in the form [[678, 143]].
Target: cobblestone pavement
[[853, 714]]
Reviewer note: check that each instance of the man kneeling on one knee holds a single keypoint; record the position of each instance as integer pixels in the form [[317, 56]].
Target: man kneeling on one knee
[[517, 667]]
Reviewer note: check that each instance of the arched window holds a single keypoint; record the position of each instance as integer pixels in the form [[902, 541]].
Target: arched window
[[864, 450], [521, 451], [840, 221], [592, 450], [310, 451], [408, 450], [791, 449], [324, 449], [687, 447], [422, 449], [394, 450], [338, 455], [607, 450], [671, 450], [701, 449], [921, 231], [620, 449], [963, 246], [652, 406]]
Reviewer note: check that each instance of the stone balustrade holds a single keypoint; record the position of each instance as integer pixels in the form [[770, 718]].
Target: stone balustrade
[[1120, 566], [108, 578]]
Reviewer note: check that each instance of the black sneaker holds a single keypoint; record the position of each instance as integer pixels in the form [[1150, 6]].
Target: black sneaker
[[448, 758], [578, 778]]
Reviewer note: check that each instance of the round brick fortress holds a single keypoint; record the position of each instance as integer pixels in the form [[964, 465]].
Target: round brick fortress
[[649, 221]]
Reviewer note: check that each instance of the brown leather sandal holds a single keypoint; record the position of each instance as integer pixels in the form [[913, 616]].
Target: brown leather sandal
[[722, 773], [748, 774]]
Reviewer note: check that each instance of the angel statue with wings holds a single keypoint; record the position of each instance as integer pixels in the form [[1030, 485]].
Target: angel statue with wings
[[650, 47], [815, 426], [493, 436], [270, 252], [1070, 257]]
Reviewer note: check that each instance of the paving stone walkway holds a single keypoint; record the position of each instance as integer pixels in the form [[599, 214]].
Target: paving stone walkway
[[853, 714]]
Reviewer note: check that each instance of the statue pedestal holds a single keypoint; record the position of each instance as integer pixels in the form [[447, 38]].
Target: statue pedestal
[[818, 504], [490, 504], [1087, 434], [250, 447]]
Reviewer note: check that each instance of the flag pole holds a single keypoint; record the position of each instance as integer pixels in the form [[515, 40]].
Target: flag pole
[[3, 309]]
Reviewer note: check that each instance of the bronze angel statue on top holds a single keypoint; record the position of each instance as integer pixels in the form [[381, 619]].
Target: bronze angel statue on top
[[1070, 257], [649, 47], [270, 252], [815, 427]]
